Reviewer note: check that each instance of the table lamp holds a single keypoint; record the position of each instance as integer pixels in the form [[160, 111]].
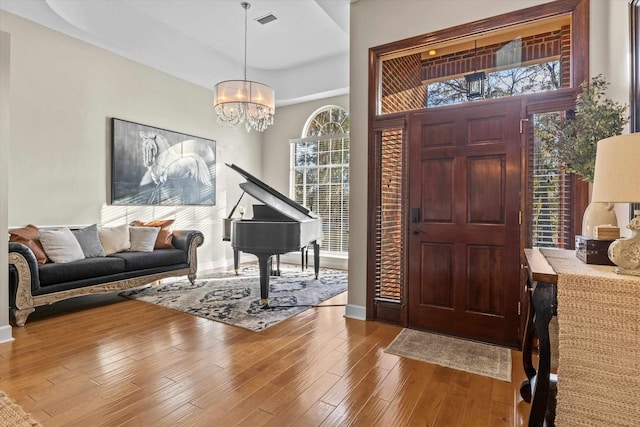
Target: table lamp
[[617, 180]]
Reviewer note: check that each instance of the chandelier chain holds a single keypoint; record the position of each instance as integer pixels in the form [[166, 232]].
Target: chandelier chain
[[246, 7]]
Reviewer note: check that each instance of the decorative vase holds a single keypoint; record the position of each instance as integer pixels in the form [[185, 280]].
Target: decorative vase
[[596, 214], [625, 253]]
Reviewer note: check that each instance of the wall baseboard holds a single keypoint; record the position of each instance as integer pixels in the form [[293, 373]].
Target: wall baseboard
[[355, 312], [5, 334]]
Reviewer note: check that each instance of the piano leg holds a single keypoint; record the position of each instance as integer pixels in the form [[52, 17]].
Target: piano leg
[[236, 260], [275, 271], [316, 258], [264, 261]]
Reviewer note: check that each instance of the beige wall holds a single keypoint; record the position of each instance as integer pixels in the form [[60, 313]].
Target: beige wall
[[371, 26], [609, 49], [64, 93], [5, 39]]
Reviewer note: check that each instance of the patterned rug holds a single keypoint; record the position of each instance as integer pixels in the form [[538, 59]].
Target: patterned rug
[[464, 355], [12, 414], [235, 299]]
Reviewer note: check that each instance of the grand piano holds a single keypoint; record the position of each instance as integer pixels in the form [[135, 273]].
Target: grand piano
[[279, 226]]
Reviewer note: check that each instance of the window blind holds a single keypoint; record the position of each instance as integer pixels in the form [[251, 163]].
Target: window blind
[[321, 182]]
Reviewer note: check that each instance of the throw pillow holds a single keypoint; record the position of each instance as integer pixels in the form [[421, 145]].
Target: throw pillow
[[89, 241], [28, 236], [114, 239], [143, 239], [165, 235], [60, 245]]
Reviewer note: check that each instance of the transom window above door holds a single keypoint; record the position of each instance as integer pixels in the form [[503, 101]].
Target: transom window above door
[[529, 59]]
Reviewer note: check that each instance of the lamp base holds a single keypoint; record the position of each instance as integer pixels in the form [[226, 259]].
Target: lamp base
[[625, 253]]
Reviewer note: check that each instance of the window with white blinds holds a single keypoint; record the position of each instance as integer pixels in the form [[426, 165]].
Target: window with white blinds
[[320, 174], [550, 191]]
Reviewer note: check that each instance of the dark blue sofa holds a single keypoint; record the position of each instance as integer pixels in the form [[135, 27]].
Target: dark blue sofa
[[32, 285]]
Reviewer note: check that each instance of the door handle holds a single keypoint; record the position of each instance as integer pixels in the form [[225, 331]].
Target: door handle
[[416, 231], [415, 215]]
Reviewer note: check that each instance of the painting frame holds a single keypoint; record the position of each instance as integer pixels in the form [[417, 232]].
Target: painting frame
[[152, 166]]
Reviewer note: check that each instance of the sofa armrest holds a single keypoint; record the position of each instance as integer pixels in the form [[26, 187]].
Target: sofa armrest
[[189, 241], [23, 279], [24, 262], [183, 239]]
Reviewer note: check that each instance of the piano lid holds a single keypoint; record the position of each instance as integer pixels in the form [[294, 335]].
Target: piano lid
[[271, 197]]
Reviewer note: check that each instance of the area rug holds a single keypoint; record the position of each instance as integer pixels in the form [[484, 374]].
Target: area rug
[[11, 414], [464, 355], [235, 299]]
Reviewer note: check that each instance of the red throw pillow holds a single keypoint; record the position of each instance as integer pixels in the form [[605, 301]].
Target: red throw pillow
[[165, 235], [28, 236]]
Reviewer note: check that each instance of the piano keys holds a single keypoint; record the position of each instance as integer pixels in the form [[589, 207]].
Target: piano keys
[[279, 226]]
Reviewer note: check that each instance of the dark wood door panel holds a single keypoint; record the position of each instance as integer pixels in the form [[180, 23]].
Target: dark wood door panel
[[464, 175], [485, 277], [437, 200], [436, 275], [438, 134], [486, 189], [486, 130]]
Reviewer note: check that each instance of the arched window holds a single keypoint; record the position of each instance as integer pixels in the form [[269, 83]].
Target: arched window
[[320, 174]]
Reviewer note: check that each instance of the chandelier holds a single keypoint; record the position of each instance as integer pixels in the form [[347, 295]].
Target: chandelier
[[244, 101]]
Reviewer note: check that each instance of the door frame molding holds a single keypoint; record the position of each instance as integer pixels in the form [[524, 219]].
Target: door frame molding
[[579, 11]]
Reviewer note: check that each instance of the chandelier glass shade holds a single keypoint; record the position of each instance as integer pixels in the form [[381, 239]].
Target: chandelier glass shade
[[244, 101]]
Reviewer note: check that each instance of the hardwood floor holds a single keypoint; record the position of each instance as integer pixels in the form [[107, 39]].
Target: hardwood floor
[[109, 361]]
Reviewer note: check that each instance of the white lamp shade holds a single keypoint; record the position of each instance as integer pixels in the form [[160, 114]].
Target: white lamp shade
[[617, 170], [242, 91], [244, 101]]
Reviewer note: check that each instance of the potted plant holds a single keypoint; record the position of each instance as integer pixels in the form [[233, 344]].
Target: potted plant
[[574, 140]]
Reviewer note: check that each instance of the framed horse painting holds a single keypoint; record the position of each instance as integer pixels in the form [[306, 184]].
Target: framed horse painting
[[153, 166]]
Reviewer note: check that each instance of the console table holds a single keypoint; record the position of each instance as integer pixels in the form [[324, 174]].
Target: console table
[[598, 311]]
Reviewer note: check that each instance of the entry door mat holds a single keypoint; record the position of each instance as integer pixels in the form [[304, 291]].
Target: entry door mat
[[235, 299], [456, 353]]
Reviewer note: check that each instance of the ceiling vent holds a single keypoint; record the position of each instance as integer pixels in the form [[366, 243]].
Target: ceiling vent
[[266, 18]]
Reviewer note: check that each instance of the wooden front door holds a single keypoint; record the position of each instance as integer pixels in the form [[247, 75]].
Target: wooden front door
[[464, 201]]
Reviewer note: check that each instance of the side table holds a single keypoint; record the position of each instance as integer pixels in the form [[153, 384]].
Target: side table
[[539, 388], [598, 314]]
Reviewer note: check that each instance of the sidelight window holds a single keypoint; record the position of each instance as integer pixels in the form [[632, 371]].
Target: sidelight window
[[550, 190]]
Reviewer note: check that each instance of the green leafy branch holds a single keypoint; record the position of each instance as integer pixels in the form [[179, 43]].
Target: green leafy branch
[[574, 140]]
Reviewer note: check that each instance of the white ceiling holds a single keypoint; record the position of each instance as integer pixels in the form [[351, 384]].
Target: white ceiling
[[303, 55]]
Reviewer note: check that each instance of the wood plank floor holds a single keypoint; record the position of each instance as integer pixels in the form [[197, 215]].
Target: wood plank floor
[[109, 361]]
